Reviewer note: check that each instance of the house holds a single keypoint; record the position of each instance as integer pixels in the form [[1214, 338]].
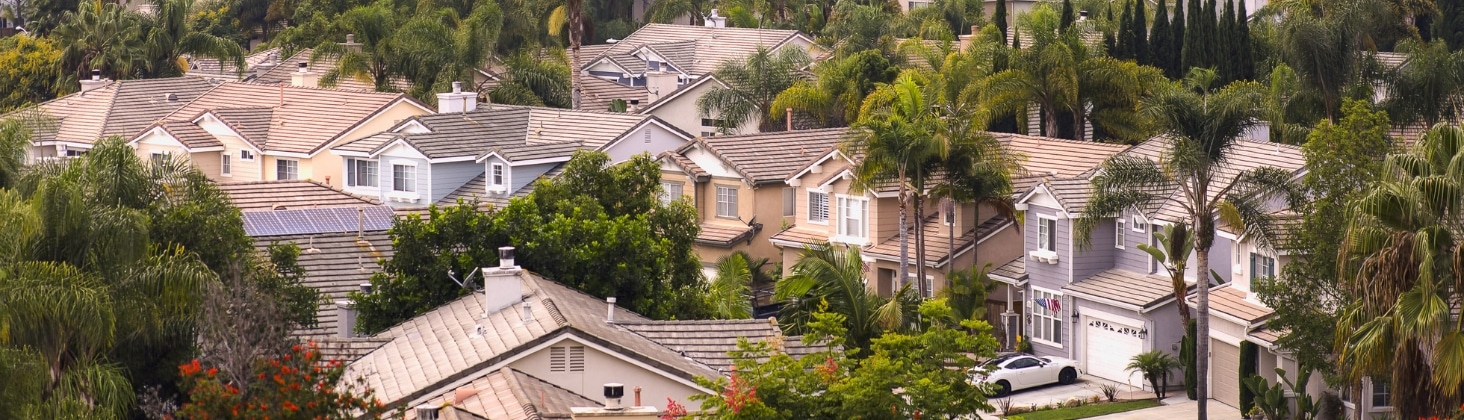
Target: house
[[565, 339], [240, 132], [69, 125], [737, 184], [490, 152], [1106, 301], [662, 69], [218, 70]]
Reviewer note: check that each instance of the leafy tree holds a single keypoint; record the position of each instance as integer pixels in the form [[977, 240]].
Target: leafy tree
[[1429, 86], [1245, 60], [99, 35], [1173, 252], [1193, 51], [29, 68], [834, 97], [668, 11], [304, 386], [373, 61], [446, 45], [830, 279], [750, 86], [535, 80], [1067, 16], [1450, 25], [966, 294], [167, 36], [1156, 367], [1225, 46]]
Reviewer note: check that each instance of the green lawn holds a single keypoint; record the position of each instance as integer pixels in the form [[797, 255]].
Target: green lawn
[[1088, 410]]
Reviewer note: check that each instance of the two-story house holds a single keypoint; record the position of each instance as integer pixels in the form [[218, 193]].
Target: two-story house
[[737, 184], [239, 132], [69, 125], [489, 152]]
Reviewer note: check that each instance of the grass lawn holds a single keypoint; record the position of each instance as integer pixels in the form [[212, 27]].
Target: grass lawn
[[1088, 410]]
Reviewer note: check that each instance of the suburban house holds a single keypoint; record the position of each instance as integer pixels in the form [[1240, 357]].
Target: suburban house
[[69, 125], [490, 152], [546, 336], [239, 132], [662, 69], [737, 185]]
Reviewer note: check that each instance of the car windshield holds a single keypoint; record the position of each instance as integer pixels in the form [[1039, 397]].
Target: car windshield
[[998, 360]]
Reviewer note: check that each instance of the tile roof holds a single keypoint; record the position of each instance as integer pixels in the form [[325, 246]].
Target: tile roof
[[1072, 193], [596, 93], [345, 350], [280, 74], [1267, 335], [209, 66], [695, 50], [509, 394], [477, 188], [724, 236], [1145, 291], [447, 344], [301, 120], [802, 237], [1233, 302], [1014, 270], [770, 158], [192, 136], [1244, 156], [291, 194], [686, 164], [252, 123], [517, 132], [1046, 156], [335, 264], [121, 108], [1390, 60], [710, 341], [937, 240]]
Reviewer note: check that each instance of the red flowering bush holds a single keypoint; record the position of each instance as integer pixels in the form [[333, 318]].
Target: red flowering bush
[[297, 385]]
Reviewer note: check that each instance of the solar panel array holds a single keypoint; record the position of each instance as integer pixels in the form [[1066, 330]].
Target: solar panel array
[[317, 221]]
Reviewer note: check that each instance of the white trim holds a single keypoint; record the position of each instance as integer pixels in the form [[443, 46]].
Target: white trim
[[1032, 312], [1224, 338], [842, 175], [451, 159], [291, 155], [363, 122], [348, 153], [510, 162], [853, 240], [830, 155], [220, 121], [1118, 234]]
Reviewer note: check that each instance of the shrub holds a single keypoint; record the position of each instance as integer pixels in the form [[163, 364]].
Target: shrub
[[1110, 392], [294, 385]]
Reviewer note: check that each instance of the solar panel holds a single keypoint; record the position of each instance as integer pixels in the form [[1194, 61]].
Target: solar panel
[[317, 221]]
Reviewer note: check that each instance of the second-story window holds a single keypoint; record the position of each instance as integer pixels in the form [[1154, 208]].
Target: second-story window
[[246, 155], [1138, 224], [404, 178], [1118, 234], [1262, 266], [497, 176], [225, 166], [853, 217], [287, 169], [360, 173], [727, 202], [1046, 234], [818, 207], [670, 191]]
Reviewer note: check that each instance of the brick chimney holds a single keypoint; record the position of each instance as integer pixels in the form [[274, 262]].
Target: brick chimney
[[304, 77], [457, 100]]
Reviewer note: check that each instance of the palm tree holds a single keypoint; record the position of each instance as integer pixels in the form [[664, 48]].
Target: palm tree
[[729, 295], [967, 292], [1045, 73], [445, 46], [829, 278], [537, 80], [667, 11], [835, 95], [167, 37], [1429, 86], [1173, 254], [1156, 366], [98, 36], [373, 61], [1402, 261], [750, 86], [1202, 128], [572, 14]]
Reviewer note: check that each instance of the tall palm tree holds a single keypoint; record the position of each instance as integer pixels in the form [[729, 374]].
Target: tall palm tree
[[1402, 259], [444, 46], [1175, 245], [1429, 86], [667, 11], [835, 95], [373, 62], [168, 36], [831, 278], [1202, 128], [101, 36], [537, 80], [750, 86], [1045, 73]]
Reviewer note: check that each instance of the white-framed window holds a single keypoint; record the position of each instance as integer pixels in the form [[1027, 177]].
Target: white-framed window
[[246, 155], [225, 167], [1118, 233], [1262, 266], [1139, 225], [361, 173], [1046, 234], [1382, 394], [670, 191], [929, 291], [818, 207], [854, 217], [1046, 322], [157, 158], [790, 201], [287, 169], [404, 178], [496, 176], [727, 202]]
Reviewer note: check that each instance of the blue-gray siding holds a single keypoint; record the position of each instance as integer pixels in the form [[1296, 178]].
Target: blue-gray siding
[[448, 177], [386, 171], [1097, 257], [647, 139], [524, 175], [1044, 275]]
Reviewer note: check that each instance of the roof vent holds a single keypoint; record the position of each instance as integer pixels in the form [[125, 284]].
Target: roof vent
[[171, 97], [96, 74], [610, 314], [528, 311], [365, 288], [613, 393], [426, 412]]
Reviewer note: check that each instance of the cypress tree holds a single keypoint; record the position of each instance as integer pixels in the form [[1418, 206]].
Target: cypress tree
[[1110, 44], [999, 15], [1176, 42], [1140, 44], [1159, 48], [1126, 33], [1226, 52], [1067, 15], [1193, 54], [1212, 34], [1247, 60]]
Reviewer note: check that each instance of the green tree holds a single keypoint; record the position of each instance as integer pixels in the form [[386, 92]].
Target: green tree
[[895, 134], [827, 278], [1245, 59], [305, 386], [1067, 16], [30, 67], [98, 36], [667, 11], [1000, 18], [966, 294], [1161, 45], [1192, 51], [1400, 263], [446, 45], [1450, 25], [372, 62], [1225, 46], [1125, 44], [1140, 30], [535, 80], [1156, 367], [750, 86], [1177, 42], [835, 96], [1429, 86], [729, 295], [1173, 252], [167, 37]]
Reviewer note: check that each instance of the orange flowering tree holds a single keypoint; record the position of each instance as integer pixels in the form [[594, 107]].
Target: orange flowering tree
[[296, 385]]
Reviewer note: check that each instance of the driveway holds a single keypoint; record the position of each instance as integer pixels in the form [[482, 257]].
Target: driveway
[[1086, 387], [1176, 408]]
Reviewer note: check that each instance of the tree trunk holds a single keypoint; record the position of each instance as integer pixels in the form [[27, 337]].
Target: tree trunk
[[1202, 320], [919, 229], [904, 244], [1179, 294], [1050, 123], [951, 244], [575, 31]]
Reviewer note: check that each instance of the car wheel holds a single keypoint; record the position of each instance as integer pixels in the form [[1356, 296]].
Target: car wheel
[[1003, 388], [1067, 376]]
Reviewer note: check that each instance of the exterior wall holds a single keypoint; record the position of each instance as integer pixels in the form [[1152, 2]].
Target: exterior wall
[[420, 197], [211, 164], [681, 112], [650, 138], [447, 177], [1132, 258], [323, 164], [602, 368], [522, 176], [156, 142], [1098, 257], [1044, 275]]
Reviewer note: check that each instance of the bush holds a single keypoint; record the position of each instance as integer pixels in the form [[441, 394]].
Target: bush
[[294, 385], [1110, 392]]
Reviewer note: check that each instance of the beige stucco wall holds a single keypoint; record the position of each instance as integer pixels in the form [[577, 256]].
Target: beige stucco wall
[[681, 112], [324, 164], [157, 142], [602, 368]]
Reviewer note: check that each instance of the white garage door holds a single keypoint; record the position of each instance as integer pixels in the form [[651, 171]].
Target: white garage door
[[1225, 372], [1111, 345]]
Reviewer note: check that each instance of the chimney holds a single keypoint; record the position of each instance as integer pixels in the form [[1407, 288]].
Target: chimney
[[610, 314], [345, 318], [501, 285], [964, 41], [715, 21], [660, 83], [613, 392], [303, 77], [612, 408], [457, 100], [95, 82], [790, 119], [350, 43], [634, 106], [426, 412]]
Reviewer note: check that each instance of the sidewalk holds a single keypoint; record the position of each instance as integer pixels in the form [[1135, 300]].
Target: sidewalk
[[1178, 407]]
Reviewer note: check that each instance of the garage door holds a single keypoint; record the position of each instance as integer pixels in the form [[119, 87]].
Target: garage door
[[1110, 346], [1225, 372]]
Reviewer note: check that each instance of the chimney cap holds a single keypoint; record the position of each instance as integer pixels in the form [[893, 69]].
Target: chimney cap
[[304, 66], [457, 87], [614, 390], [96, 74]]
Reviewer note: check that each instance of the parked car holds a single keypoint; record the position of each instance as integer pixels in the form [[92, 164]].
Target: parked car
[[1009, 372]]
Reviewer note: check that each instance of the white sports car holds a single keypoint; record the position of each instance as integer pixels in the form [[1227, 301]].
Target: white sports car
[[1009, 372]]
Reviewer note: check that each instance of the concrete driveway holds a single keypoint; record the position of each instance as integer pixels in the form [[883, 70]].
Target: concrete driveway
[[1176, 408], [1086, 387]]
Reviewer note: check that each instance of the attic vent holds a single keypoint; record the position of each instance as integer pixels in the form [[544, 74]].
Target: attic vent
[[567, 359], [648, 136]]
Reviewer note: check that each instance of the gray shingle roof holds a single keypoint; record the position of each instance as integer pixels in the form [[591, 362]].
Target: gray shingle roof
[[517, 132], [1246, 155], [597, 93], [769, 158], [1231, 301], [723, 236], [291, 194], [477, 188], [710, 341], [1014, 270], [281, 73], [712, 46], [1142, 290]]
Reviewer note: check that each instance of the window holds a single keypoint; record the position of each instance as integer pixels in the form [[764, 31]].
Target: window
[[497, 175], [1262, 266], [950, 211], [404, 178], [928, 290], [287, 169], [1382, 395], [853, 214], [916, 4], [1046, 316], [818, 207], [567, 359], [158, 158], [727, 202], [1138, 224], [360, 173], [670, 191], [246, 155], [1023, 363], [1046, 234], [790, 201], [224, 167], [1118, 234]]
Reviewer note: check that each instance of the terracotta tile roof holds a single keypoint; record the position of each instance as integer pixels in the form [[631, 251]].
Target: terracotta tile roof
[[695, 50], [509, 394], [122, 108], [770, 158], [345, 350], [1046, 156], [1267, 335], [291, 194], [280, 74], [800, 237], [1231, 301], [597, 93], [710, 341], [335, 264], [1014, 270], [303, 122], [724, 236], [937, 240], [1145, 291]]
